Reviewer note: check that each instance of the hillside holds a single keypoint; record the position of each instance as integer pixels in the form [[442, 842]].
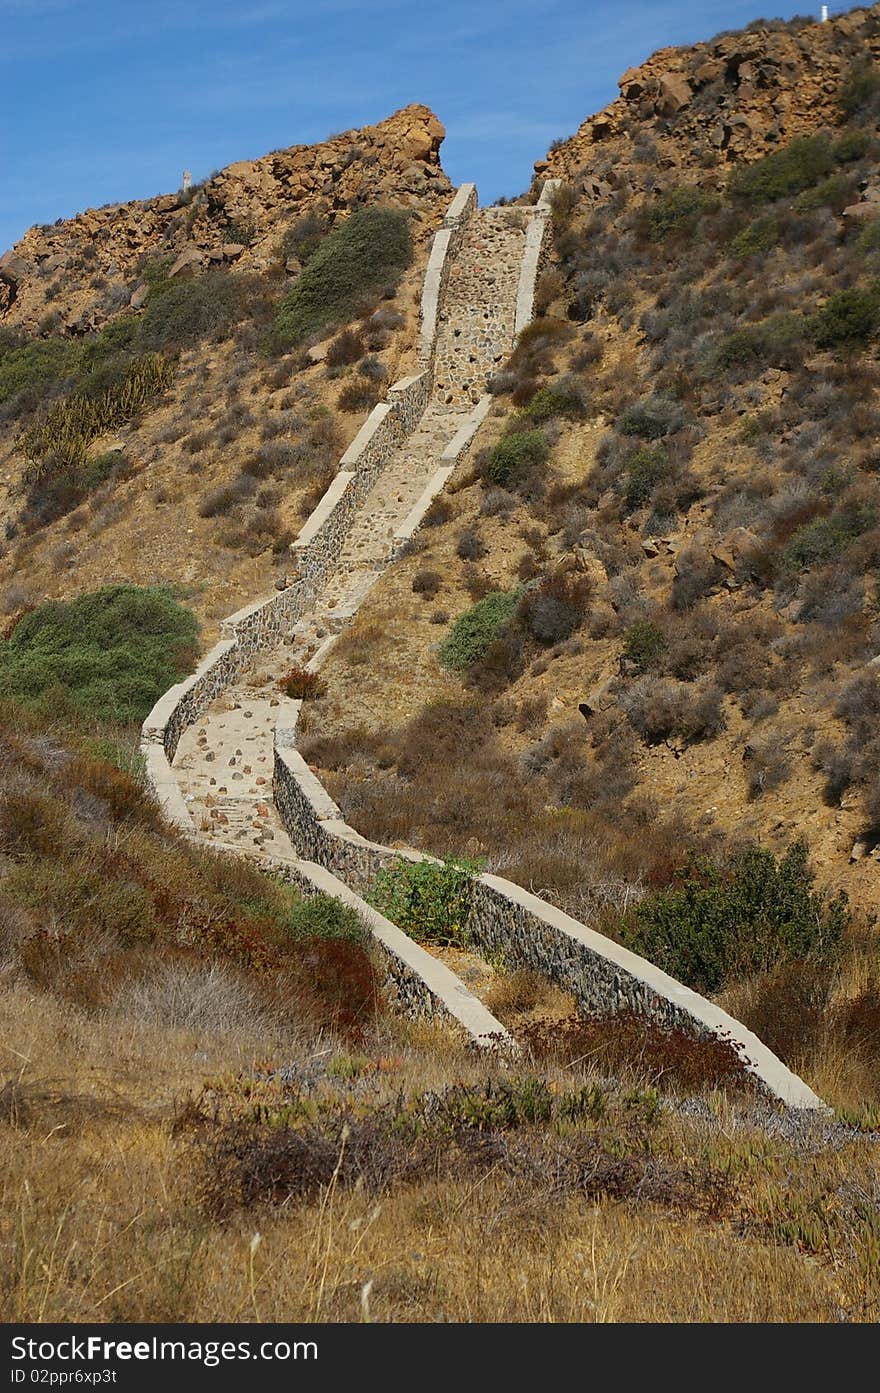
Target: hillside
[[684, 481], [587, 604], [207, 482]]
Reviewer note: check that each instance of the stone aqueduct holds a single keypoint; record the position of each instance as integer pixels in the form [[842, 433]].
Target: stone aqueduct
[[417, 437]]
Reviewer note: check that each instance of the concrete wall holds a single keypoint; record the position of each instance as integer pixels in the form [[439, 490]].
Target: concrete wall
[[447, 241], [537, 250], [603, 977], [420, 984]]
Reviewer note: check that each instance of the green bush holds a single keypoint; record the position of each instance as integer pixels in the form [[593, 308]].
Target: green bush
[[653, 418], [516, 452], [304, 238], [429, 900], [860, 86], [835, 192], [852, 146], [322, 916], [824, 539], [798, 166], [565, 398], [769, 341], [721, 923], [36, 368], [105, 656], [182, 311], [868, 240], [848, 317], [356, 261], [644, 643], [759, 237], [647, 468], [474, 631], [675, 210]]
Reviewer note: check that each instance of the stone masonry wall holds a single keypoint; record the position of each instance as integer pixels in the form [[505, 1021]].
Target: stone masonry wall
[[539, 243], [603, 977], [264, 622]]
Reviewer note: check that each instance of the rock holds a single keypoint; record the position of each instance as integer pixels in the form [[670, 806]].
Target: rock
[[318, 352], [675, 93], [292, 266], [188, 260], [139, 295], [232, 250], [861, 212], [631, 84], [651, 546], [13, 269]]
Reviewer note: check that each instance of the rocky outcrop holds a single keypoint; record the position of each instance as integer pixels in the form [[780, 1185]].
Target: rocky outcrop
[[699, 109], [71, 276]]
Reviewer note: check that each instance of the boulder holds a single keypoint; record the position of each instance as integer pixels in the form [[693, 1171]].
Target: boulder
[[232, 250], [139, 295], [13, 268], [675, 93], [189, 258]]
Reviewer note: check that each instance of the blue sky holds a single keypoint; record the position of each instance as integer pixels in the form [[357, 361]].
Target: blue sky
[[107, 100]]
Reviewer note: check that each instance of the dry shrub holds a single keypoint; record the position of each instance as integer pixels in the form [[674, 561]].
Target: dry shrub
[[627, 1041], [301, 685], [427, 583], [31, 822], [359, 394], [517, 993], [660, 709], [348, 347]]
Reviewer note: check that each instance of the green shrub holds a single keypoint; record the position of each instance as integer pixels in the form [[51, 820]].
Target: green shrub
[[860, 86], [34, 369], [474, 631], [676, 209], [848, 317], [868, 240], [720, 923], [644, 643], [429, 900], [800, 165], [834, 192], [565, 398], [515, 453], [105, 656], [653, 418], [304, 238], [322, 916], [355, 262], [769, 341], [760, 236], [852, 146], [823, 539], [182, 311], [647, 468]]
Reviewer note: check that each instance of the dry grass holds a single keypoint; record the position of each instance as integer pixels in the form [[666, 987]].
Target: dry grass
[[699, 1219]]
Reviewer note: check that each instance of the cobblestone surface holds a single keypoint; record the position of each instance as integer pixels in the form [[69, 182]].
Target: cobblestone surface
[[477, 316]]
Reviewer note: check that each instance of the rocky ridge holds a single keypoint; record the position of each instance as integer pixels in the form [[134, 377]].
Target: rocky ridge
[[72, 276], [713, 104]]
